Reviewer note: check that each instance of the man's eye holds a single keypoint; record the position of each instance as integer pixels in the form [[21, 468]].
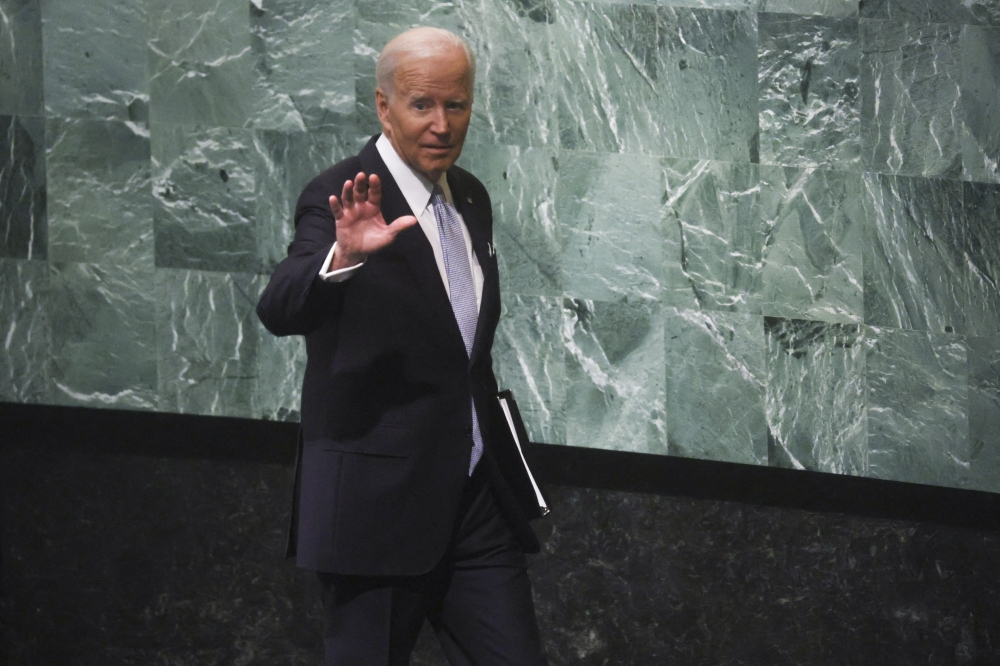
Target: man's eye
[[420, 106]]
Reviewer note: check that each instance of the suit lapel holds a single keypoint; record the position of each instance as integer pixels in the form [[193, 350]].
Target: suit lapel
[[413, 245]]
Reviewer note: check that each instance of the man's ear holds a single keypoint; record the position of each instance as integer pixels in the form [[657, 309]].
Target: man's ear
[[381, 103]]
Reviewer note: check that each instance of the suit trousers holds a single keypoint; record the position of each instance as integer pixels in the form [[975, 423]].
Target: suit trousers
[[477, 599]]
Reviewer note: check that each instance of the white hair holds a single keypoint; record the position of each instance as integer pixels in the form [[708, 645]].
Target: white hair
[[419, 42]]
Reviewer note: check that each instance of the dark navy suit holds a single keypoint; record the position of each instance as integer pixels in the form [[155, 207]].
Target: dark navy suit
[[382, 480]]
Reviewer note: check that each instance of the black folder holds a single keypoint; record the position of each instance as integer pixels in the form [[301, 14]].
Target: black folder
[[510, 458]]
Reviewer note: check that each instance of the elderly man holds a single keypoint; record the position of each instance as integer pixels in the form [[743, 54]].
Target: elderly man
[[392, 277]]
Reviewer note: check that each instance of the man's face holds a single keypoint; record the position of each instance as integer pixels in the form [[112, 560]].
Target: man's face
[[427, 114]]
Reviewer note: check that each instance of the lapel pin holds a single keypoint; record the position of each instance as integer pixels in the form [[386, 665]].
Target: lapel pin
[[468, 199], [491, 250]]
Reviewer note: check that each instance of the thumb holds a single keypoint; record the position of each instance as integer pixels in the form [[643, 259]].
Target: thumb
[[401, 223]]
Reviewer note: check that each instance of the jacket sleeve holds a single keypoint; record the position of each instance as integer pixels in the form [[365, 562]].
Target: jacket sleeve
[[296, 300]]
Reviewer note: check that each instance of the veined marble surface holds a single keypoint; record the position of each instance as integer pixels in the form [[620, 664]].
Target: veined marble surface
[[981, 103], [281, 366], [917, 393], [529, 359], [982, 215], [983, 455], [814, 7], [608, 209], [26, 331], [627, 75], [915, 274], [808, 91], [21, 77], [207, 342], [522, 187], [200, 62], [95, 59], [815, 397], [910, 117], [715, 385], [714, 235], [103, 336], [812, 257], [204, 187], [23, 218], [934, 11], [100, 205], [304, 62], [615, 371]]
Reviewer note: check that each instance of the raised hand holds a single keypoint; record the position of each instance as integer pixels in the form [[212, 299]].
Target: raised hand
[[361, 229]]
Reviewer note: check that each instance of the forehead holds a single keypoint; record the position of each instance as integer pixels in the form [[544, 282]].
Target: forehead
[[445, 70]]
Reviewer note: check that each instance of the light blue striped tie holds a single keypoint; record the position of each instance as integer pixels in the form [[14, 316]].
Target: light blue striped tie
[[462, 291]]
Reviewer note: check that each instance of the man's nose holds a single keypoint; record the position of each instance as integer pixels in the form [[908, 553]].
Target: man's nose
[[439, 122]]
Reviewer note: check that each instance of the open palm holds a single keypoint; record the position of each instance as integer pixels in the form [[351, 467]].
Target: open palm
[[361, 229]]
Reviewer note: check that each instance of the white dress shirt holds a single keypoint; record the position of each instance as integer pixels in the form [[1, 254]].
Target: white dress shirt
[[417, 191]]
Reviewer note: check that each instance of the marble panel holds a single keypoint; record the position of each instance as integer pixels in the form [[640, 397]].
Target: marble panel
[[715, 385], [23, 218], [304, 54], [100, 204], [515, 100], [608, 209], [103, 336], [737, 5], [206, 342], [21, 67], [815, 397], [980, 96], [910, 123], [918, 395], [708, 107], [200, 61], [983, 12], [714, 235], [615, 375], [217, 93], [204, 187], [810, 7], [522, 185], [281, 365], [95, 59], [915, 275], [26, 352], [663, 81], [287, 161], [983, 456], [198, 31], [809, 111], [982, 238], [812, 258], [529, 359]]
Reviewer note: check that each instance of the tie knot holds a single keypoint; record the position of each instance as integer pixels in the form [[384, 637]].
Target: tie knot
[[437, 195]]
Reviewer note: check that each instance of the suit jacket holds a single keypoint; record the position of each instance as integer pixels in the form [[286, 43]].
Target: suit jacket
[[386, 433]]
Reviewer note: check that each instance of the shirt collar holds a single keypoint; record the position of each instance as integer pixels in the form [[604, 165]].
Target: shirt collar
[[415, 187]]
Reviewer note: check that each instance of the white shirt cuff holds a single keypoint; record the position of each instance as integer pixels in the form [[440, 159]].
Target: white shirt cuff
[[338, 275]]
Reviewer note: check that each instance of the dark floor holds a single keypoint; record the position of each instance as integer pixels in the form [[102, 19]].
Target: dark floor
[[115, 559]]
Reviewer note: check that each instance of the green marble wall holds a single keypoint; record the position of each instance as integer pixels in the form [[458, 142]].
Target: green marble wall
[[759, 231]]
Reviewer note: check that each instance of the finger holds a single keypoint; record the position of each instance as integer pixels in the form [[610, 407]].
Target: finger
[[361, 187], [336, 208], [374, 190], [401, 223], [347, 196]]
